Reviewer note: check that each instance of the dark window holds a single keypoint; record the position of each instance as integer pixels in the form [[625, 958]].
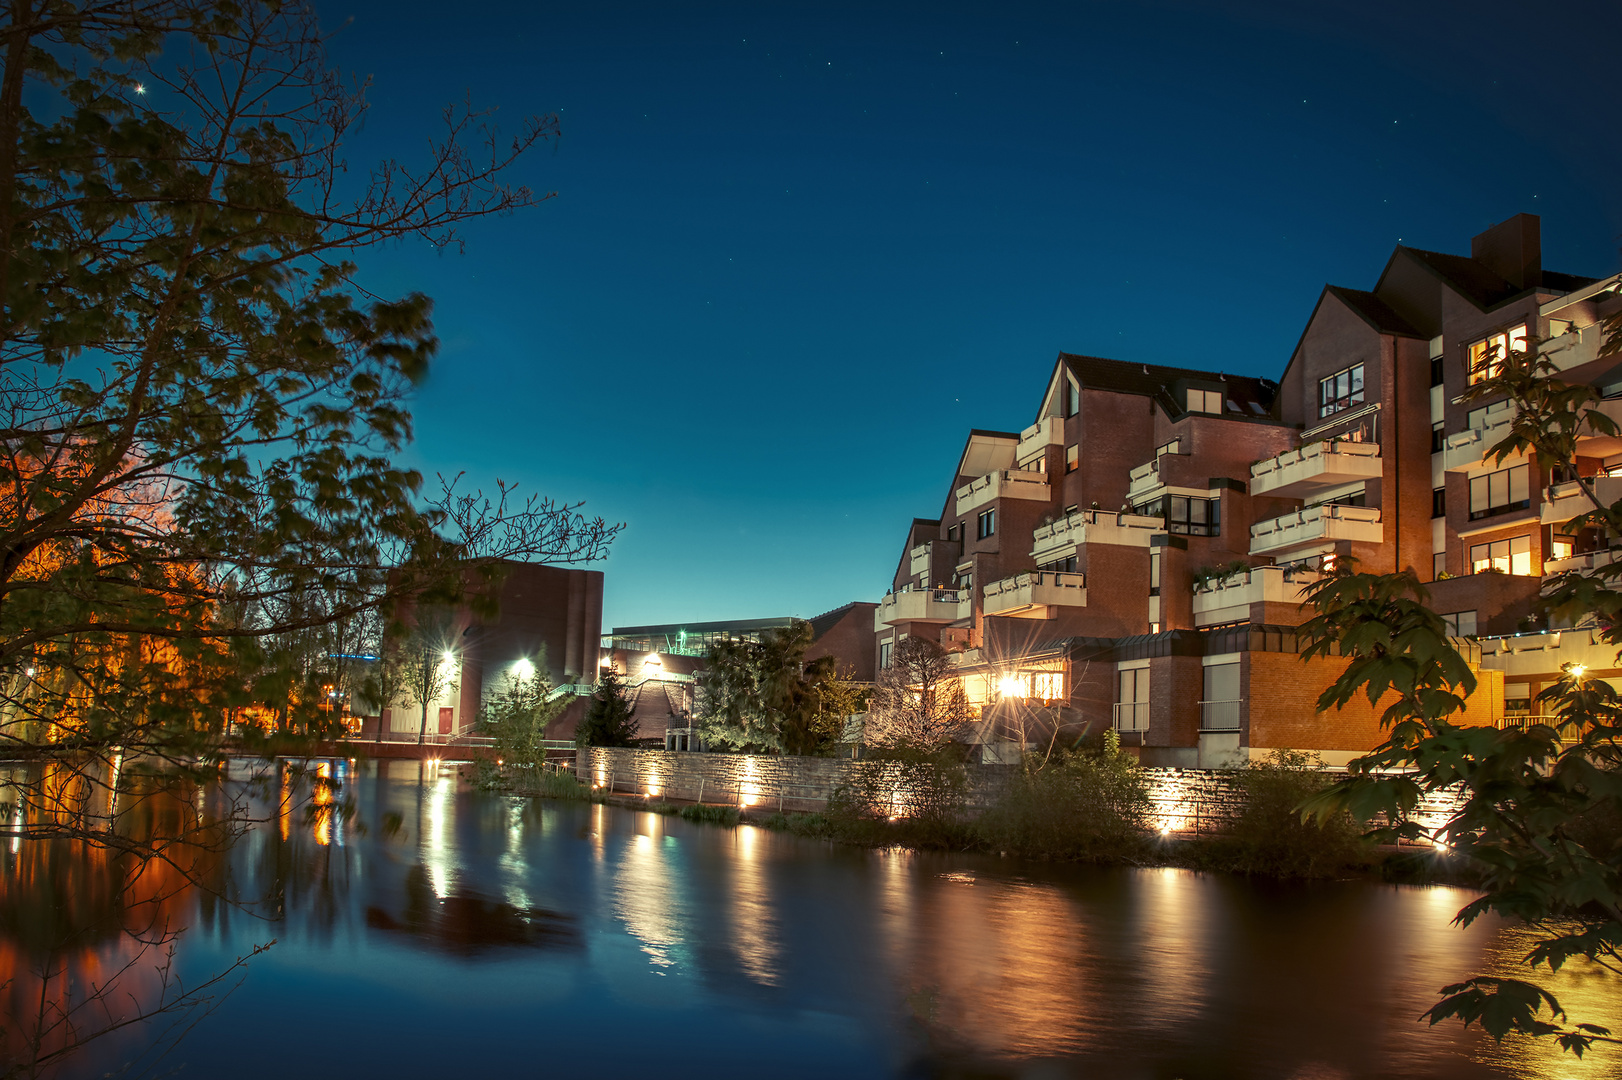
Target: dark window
[[1499, 492], [1438, 502], [987, 523], [1340, 391], [1438, 437], [954, 532], [1186, 516], [1436, 371], [884, 653], [1154, 573], [1072, 398], [1061, 566]]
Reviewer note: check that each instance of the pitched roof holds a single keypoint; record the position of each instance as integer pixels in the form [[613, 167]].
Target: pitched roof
[[1483, 288], [1155, 380], [1374, 311]]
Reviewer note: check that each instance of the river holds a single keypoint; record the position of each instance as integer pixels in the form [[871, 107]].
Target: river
[[444, 932]]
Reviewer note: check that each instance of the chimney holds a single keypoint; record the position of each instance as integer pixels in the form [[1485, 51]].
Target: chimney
[[1513, 250]]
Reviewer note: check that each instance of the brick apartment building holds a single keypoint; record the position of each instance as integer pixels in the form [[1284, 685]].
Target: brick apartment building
[[1135, 558]]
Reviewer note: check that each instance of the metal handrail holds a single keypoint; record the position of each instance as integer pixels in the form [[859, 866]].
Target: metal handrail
[[1215, 715], [1132, 716]]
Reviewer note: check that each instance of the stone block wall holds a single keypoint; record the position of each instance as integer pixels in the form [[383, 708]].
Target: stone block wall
[[1183, 802]]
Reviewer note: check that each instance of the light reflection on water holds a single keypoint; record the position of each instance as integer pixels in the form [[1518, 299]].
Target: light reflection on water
[[626, 940]]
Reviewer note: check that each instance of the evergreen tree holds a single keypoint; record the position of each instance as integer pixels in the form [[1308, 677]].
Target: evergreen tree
[[608, 722]]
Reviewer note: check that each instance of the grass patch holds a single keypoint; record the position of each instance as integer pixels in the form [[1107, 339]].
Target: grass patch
[[709, 815]]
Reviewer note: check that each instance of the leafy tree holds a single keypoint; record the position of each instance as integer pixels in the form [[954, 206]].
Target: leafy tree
[[201, 407], [1543, 804], [608, 720], [517, 712], [918, 701], [429, 667], [765, 696]]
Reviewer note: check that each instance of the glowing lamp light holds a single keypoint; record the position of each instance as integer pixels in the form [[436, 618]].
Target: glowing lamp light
[[523, 669], [1577, 670], [653, 660], [1011, 687], [450, 657]]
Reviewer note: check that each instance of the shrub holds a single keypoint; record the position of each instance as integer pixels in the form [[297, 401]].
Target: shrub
[[1089, 805], [913, 797], [1269, 837], [713, 815]]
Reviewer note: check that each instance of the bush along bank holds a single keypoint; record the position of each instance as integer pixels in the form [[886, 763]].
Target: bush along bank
[[1090, 804]]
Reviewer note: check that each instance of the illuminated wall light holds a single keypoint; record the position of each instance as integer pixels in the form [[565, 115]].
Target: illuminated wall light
[[523, 668], [1012, 686]]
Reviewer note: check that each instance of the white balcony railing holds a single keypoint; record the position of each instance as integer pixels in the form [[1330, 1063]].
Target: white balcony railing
[[1562, 502], [1464, 450], [1221, 715], [921, 605], [1316, 525], [1132, 716], [1002, 484], [1063, 537], [1229, 599], [1316, 467], [1039, 436], [1574, 348], [1034, 595], [1589, 560]]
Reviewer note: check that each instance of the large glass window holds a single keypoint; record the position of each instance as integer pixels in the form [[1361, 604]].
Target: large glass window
[[1072, 398], [1186, 516], [1499, 492], [1460, 624], [1132, 707], [1486, 357], [1512, 556], [1340, 391], [1205, 401]]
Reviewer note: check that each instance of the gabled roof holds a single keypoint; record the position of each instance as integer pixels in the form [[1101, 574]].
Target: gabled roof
[[1473, 281], [1156, 380], [1374, 311]]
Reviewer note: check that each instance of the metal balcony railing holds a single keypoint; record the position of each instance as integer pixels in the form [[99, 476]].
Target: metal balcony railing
[[1221, 715], [1132, 716]]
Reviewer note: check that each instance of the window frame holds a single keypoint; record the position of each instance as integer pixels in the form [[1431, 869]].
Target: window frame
[[1480, 361], [1333, 398], [1510, 504], [985, 525]]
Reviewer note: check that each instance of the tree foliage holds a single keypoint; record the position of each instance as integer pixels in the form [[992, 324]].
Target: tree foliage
[[517, 712], [201, 405], [765, 696], [918, 702], [608, 720], [1541, 819]]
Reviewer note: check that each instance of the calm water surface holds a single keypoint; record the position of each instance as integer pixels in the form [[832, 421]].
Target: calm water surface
[[444, 932]]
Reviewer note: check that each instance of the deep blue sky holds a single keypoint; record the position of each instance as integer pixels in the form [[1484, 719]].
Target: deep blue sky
[[796, 252]]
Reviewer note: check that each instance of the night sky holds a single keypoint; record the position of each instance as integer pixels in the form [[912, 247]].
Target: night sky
[[796, 253]]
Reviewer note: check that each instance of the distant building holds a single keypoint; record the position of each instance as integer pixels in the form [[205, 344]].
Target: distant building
[[1135, 559], [660, 664], [548, 618]]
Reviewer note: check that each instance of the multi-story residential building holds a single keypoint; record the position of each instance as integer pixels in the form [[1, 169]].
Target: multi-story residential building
[[1135, 558]]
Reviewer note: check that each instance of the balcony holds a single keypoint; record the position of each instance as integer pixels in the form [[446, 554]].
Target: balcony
[[1229, 600], [1464, 450], [1583, 563], [1002, 484], [1591, 444], [1574, 348], [921, 605], [1544, 656], [1146, 477], [1132, 716], [1221, 715], [1315, 526], [1063, 537], [1314, 468], [1035, 595], [1562, 502], [1039, 436]]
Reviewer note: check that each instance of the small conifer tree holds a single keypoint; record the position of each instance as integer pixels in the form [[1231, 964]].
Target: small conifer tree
[[608, 722]]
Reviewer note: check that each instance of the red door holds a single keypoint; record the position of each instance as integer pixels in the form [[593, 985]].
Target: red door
[[445, 720]]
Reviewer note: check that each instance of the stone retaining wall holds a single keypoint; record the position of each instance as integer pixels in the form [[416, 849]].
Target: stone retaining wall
[[1186, 802]]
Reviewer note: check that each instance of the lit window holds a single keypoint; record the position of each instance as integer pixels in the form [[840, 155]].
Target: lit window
[[1512, 556], [1340, 391], [1486, 358], [1205, 401], [1499, 492], [987, 524], [1072, 458], [1047, 685]]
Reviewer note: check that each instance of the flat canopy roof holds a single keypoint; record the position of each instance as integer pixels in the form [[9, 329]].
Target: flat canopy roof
[[730, 625]]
